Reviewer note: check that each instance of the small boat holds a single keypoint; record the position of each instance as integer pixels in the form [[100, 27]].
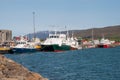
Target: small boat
[[24, 46], [59, 42], [104, 43]]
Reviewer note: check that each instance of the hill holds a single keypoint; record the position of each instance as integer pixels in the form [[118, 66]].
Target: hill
[[111, 32]]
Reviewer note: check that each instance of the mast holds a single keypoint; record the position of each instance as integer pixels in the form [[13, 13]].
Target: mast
[[72, 33], [92, 35], [67, 32], [103, 36], [34, 25]]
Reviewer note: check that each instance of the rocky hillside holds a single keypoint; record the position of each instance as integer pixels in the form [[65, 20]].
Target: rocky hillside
[[10, 70], [108, 32]]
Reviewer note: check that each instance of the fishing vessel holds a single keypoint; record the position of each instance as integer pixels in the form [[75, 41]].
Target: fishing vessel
[[23, 45], [57, 42], [104, 43]]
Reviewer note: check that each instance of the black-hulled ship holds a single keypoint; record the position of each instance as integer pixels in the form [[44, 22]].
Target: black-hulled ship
[[58, 42]]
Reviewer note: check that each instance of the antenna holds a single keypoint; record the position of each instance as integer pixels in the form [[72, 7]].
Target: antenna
[[34, 25]]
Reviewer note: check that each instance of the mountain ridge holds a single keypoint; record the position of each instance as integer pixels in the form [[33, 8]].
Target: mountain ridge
[[108, 32]]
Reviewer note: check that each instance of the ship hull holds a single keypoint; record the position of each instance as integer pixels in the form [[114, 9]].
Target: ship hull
[[103, 46], [5, 50], [23, 50], [55, 48]]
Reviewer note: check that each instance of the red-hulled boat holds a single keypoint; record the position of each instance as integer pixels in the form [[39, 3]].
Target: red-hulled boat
[[104, 43]]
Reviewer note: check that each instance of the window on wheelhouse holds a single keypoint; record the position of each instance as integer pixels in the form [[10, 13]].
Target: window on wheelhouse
[[54, 36], [21, 42]]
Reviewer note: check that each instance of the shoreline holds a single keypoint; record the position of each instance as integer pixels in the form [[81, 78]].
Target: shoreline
[[10, 70]]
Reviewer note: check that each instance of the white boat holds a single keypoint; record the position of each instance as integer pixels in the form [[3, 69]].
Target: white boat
[[58, 42], [23, 45], [105, 43]]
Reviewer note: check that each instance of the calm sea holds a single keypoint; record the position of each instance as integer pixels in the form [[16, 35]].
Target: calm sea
[[87, 64]]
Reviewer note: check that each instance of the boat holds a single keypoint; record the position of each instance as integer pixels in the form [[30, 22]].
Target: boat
[[23, 45], [104, 43], [57, 42], [4, 50]]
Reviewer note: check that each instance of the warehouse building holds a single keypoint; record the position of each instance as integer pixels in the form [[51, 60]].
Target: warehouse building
[[5, 36]]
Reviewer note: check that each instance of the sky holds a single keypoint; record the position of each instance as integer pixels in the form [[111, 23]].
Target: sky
[[17, 15]]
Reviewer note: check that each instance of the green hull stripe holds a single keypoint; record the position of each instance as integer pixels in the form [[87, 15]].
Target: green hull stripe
[[62, 47]]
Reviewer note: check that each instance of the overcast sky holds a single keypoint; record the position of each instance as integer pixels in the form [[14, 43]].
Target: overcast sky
[[17, 15]]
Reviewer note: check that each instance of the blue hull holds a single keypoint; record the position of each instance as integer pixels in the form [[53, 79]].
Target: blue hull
[[23, 50]]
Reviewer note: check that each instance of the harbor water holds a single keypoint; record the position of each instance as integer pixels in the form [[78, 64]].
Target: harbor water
[[86, 64]]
